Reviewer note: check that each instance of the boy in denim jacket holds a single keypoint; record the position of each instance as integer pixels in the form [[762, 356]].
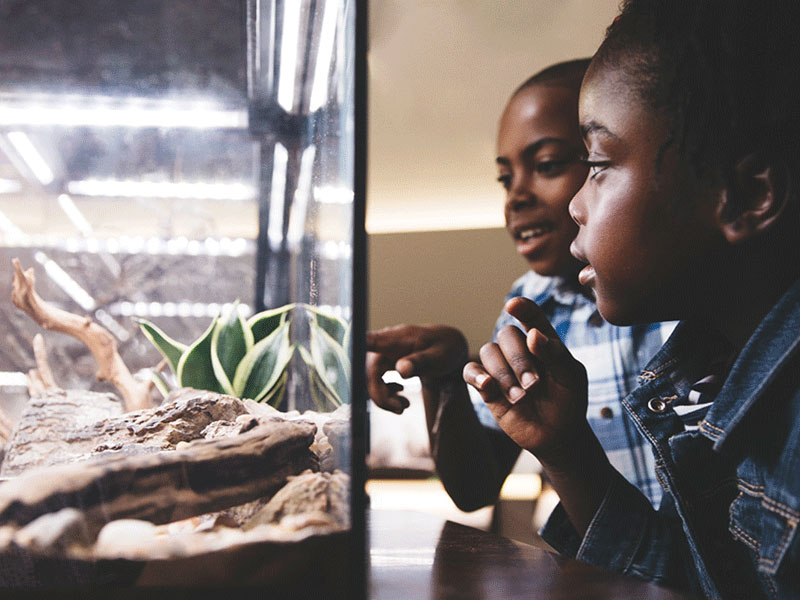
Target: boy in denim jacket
[[692, 125]]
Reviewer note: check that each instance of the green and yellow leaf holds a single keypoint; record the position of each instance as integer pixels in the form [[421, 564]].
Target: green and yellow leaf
[[275, 395], [230, 341], [169, 348], [264, 323], [195, 368], [323, 394], [331, 361], [159, 382], [336, 327], [263, 365]]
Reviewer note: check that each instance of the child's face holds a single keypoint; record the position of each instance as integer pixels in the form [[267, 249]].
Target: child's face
[[538, 150], [647, 223]]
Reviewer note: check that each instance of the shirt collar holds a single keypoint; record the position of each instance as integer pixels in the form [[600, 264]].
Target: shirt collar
[[540, 289]]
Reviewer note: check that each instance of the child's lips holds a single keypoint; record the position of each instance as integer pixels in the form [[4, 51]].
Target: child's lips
[[586, 276], [529, 238]]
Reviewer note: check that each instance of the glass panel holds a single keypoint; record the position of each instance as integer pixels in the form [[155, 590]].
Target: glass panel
[[177, 185]]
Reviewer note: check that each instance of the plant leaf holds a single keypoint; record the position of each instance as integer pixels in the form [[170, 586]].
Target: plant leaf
[[195, 368], [262, 366], [169, 348], [323, 394], [159, 382], [317, 387], [275, 395], [230, 341], [346, 340], [332, 363], [336, 327], [264, 323]]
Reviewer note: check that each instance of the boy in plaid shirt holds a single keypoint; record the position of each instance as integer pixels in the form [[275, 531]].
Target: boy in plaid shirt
[[538, 161]]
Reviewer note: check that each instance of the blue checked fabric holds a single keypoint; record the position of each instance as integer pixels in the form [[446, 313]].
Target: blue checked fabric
[[613, 356]]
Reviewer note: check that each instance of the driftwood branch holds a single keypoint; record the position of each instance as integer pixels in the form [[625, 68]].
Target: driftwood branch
[[6, 426], [41, 378], [100, 342]]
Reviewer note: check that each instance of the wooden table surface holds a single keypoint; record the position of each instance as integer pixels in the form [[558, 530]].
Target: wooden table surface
[[419, 556]]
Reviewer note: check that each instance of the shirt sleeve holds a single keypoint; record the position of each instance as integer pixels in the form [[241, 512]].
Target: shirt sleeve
[[504, 318], [626, 535]]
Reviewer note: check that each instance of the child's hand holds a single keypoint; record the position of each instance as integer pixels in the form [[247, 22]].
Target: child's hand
[[431, 352], [534, 387]]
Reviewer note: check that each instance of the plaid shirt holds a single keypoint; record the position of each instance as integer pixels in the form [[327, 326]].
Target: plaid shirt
[[613, 356]]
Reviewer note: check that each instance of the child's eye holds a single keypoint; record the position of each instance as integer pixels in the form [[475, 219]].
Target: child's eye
[[596, 166], [551, 167], [505, 181]]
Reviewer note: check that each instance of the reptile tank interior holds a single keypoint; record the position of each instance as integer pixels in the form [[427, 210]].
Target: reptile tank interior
[[182, 295]]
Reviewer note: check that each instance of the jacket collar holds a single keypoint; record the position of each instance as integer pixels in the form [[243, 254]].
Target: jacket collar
[[764, 356]]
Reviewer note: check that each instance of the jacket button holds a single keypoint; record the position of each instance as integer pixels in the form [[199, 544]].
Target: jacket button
[[606, 412], [656, 405]]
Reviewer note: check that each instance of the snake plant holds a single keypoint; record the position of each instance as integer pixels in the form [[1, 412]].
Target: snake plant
[[251, 358]]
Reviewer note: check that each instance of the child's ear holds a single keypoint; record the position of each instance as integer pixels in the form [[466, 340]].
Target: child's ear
[[754, 199]]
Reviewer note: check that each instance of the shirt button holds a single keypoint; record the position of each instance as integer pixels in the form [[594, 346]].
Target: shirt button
[[606, 412], [656, 405]]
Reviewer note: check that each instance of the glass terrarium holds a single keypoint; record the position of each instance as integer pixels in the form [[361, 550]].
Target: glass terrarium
[[181, 224]]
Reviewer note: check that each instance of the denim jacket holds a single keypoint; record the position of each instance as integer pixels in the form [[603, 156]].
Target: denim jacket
[[727, 524]]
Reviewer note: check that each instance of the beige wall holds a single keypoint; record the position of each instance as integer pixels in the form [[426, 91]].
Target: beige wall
[[440, 73], [459, 278]]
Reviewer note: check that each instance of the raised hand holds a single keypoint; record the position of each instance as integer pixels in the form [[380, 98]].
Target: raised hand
[[432, 352], [534, 387]]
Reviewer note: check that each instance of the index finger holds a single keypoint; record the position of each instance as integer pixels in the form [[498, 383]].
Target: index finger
[[390, 340], [531, 316]]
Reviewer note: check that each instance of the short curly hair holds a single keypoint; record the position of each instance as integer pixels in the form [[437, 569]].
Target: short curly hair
[[567, 74], [726, 73]]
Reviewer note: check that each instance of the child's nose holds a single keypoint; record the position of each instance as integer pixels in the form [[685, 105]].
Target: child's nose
[[520, 202], [520, 195], [577, 208]]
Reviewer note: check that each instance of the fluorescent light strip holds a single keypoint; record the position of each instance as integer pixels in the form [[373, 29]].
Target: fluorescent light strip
[[175, 309], [62, 279], [319, 88], [299, 210], [332, 250], [330, 194], [11, 230], [130, 245], [110, 323], [177, 117], [28, 152], [13, 379], [277, 196], [9, 186], [113, 188], [74, 215], [290, 34], [343, 312], [83, 226]]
